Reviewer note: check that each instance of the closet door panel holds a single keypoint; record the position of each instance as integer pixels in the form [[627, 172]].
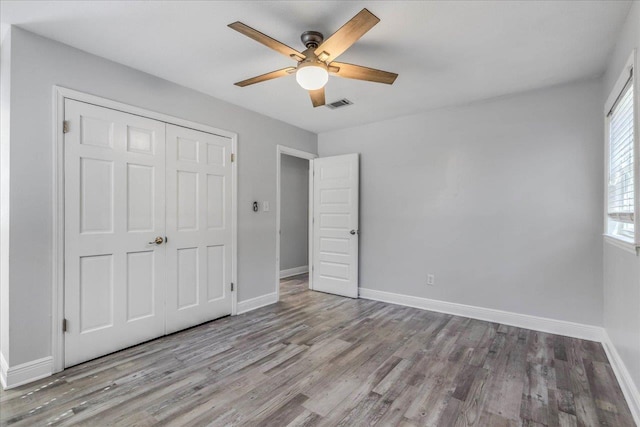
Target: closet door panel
[[114, 207], [198, 227]]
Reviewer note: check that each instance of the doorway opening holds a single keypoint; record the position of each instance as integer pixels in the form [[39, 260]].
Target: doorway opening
[[293, 213], [332, 217]]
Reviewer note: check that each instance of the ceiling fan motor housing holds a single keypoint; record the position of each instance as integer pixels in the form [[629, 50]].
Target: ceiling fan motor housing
[[312, 39]]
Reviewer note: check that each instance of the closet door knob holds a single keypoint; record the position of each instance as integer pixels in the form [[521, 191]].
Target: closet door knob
[[158, 241]]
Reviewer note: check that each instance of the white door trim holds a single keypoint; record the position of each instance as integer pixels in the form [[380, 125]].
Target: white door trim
[[57, 267], [280, 150]]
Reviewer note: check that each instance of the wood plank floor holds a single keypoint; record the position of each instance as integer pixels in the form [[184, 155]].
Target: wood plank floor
[[318, 359]]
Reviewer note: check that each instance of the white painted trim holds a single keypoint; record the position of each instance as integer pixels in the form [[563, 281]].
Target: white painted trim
[[636, 147], [558, 327], [4, 367], [257, 302], [294, 271], [57, 286], [618, 242], [234, 225], [629, 388], [280, 150], [57, 212], [26, 372], [283, 149], [621, 82], [630, 66], [131, 109], [312, 177]]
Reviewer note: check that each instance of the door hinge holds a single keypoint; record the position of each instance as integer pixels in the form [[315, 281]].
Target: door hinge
[[231, 286], [65, 126], [233, 157], [64, 325]]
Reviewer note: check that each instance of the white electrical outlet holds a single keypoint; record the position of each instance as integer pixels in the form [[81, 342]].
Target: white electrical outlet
[[431, 279], [265, 206]]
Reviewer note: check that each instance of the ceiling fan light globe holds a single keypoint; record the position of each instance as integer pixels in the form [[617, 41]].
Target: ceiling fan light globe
[[312, 77]]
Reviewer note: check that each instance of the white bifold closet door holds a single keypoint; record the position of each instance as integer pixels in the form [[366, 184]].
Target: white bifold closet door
[[147, 229], [198, 227], [114, 206]]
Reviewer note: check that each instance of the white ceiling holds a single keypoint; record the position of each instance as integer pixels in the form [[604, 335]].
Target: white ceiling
[[446, 52]]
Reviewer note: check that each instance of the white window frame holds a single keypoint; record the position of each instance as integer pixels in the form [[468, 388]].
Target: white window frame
[[626, 243]]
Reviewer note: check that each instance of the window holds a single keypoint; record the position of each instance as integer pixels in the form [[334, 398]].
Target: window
[[621, 168], [621, 135]]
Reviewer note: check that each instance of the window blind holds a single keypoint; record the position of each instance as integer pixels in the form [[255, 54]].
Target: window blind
[[621, 201]]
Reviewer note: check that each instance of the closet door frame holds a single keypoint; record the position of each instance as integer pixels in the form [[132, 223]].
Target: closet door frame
[[58, 216]]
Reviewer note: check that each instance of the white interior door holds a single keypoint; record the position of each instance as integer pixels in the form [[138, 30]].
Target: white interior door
[[199, 227], [335, 225], [114, 206]]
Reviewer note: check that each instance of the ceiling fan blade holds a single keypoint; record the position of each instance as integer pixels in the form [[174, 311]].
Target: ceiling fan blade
[[266, 40], [265, 77], [359, 72], [317, 97], [347, 35]]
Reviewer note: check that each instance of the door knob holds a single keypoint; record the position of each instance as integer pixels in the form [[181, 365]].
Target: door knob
[[157, 241], [352, 232]]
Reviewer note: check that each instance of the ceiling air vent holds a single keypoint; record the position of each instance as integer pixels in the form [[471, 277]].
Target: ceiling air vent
[[341, 103]]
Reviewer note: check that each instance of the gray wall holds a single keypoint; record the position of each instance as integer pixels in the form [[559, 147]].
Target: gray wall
[[294, 213], [37, 65], [5, 97], [622, 269], [501, 200]]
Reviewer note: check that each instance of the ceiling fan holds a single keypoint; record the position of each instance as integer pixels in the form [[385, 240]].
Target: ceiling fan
[[317, 61]]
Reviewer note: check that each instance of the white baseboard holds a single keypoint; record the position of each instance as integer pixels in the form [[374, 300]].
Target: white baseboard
[[4, 367], [255, 303], [629, 388], [558, 327], [294, 271], [542, 324], [14, 376]]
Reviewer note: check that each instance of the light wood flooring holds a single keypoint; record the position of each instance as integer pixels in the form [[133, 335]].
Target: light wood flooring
[[318, 359]]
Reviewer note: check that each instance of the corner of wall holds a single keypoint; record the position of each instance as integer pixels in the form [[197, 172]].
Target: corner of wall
[[628, 386], [5, 118], [621, 271], [14, 376]]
